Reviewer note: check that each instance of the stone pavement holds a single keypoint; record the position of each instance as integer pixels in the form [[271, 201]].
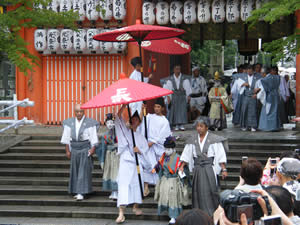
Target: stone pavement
[[69, 221]]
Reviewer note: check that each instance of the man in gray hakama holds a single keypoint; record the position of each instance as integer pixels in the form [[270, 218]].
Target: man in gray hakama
[[80, 138], [248, 115], [269, 116], [180, 98], [205, 153]]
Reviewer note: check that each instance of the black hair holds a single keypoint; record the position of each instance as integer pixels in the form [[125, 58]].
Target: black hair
[[282, 197], [194, 217]]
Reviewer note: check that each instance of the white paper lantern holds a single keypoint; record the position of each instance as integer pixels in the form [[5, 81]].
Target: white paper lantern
[[79, 6], [176, 12], [232, 11], [91, 10], [66, 40], [218, 11], [119, 9], [53, 6], [204, 13], [189, 12], [53, 37], [106, 10], [148, 13], [105, 47], [92, 44], [246, 9], [40, 40], [119, 46], [80, 40], [162, 13], [65, 5]]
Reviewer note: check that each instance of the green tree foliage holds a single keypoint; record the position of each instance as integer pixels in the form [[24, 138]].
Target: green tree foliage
[[272, 10], [25, 15], [201, 55]]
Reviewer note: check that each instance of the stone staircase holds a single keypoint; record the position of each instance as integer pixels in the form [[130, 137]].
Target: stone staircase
[[34, 179]]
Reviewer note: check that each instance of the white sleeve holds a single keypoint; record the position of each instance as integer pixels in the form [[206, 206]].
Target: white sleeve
[[188, 155], [218, 152], [146, 79], [66, 136], [93, 137], [168, 85], [187, 87], [261, 95]]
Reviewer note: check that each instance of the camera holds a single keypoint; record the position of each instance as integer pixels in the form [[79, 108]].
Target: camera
[[236, 202], [273, 161], [271, 220], [244, 158]]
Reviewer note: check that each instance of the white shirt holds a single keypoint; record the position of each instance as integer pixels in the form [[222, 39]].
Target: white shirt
[[201, 144], [78, 125], [136, 75], [177, 80], [250, 79], [185, 84]]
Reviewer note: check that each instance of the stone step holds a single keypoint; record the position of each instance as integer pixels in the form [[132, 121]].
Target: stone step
[[77, 212], [68, 200], [262, 146], [42, 172]]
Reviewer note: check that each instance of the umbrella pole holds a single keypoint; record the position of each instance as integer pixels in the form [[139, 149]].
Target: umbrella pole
[[145, 119], [136, 156]]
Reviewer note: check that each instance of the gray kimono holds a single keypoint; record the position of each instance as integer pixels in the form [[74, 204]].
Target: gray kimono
[[205, 191], [81, 164], [178, 108]]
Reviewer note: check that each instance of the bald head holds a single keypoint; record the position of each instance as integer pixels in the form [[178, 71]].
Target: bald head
[[78, 112]]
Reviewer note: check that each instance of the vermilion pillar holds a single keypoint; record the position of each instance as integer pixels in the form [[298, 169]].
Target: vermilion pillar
[[298, 70], [134, 12]]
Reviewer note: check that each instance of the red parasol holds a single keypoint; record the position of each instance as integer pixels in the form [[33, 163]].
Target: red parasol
[[171, 46], [139, 32], [126, 91]]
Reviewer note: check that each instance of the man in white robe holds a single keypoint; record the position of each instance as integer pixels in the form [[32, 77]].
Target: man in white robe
[[129, 191], [158, 130], [205, 154], [137, 75], [80, 138]]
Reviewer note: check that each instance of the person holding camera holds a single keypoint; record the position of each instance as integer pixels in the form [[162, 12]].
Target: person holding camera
[[263, 208], [250, 175], [205, 154]]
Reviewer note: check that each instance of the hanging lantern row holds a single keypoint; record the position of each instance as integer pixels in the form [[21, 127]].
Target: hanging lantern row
[[88, 8], [204, 11], [68, 41]]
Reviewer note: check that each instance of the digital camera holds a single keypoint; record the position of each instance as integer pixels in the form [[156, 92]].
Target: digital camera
[[236, 202]]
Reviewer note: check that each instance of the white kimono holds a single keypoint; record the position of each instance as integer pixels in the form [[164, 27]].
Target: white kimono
[[137, 106], [128, 183], [158, 130]]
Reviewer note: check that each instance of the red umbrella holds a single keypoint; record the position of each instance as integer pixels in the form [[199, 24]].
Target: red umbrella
[[127, 91], [171, 46], [139, 32]]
